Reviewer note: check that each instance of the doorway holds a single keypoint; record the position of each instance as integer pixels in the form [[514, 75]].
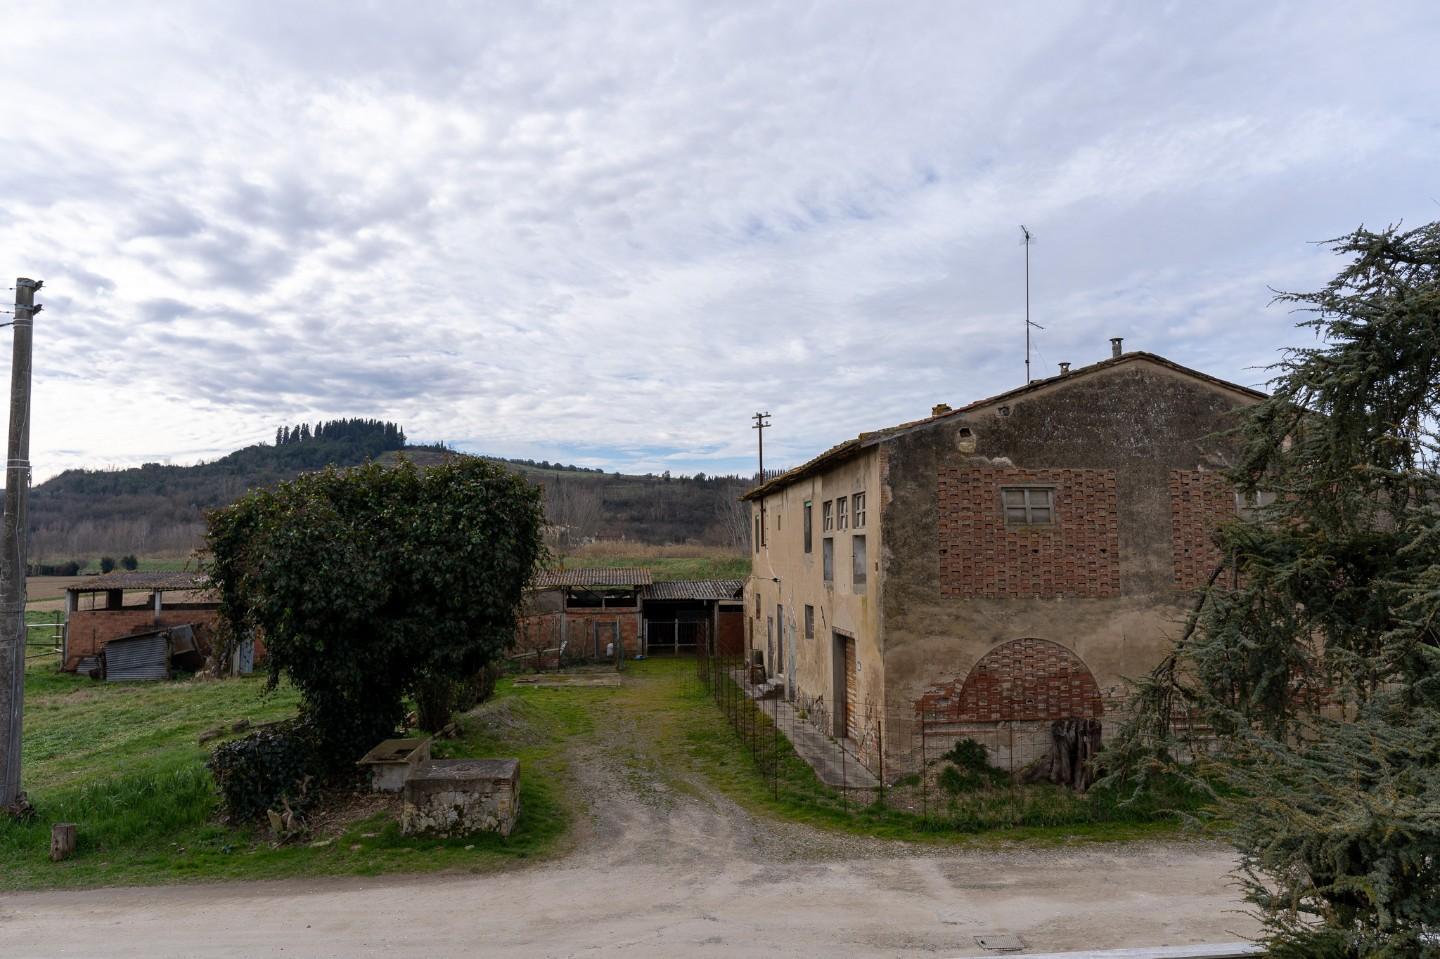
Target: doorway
[[606, 636], [843, 685]]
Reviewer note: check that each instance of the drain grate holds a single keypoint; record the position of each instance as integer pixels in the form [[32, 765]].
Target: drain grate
[[999, 942]]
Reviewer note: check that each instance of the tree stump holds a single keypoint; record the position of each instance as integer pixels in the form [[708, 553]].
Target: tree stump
[[62, 841], [1073, 743]]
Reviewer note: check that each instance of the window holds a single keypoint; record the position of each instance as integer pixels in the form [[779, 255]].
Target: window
[[1028, 505], [809, 622], [840, 520], [858, 502], [827, 558], [857, 574], [581, 598], [757, 532], [757, 604], [1251, 506], [807, 524], [827, 516]]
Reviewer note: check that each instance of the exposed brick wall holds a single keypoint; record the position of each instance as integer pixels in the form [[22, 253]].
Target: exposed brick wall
[[980, 556], [1027, 679], [1199, 501], [89, 630], [578, 629]]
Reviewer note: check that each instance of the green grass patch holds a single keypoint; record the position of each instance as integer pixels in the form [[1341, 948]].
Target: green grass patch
[[123, 762], [666, 563]]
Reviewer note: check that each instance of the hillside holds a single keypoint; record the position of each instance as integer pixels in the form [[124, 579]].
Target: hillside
[[158, 510]]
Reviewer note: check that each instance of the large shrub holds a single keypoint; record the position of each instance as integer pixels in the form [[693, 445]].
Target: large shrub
[[269, 770], [371, 583]]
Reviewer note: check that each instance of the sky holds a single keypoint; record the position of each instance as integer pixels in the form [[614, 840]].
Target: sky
[[608, 233]]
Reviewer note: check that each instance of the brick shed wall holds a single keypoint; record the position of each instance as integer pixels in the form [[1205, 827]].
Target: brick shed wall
[[579, 631], [1200, 500], [1079, 555], [88, 631]]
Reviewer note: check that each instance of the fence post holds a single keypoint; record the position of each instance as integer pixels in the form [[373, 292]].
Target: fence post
[[924, 774], [880, 745], [775, 721]]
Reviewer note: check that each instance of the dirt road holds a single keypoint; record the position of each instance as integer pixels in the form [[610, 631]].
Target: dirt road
[[663, 867]]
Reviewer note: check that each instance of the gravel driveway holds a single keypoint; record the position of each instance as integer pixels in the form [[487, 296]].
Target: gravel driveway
[[666, 868]]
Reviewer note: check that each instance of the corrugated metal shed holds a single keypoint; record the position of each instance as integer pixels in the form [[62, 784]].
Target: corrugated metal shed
[[137, 658], [593, 577], [138, 581], [696, 589]]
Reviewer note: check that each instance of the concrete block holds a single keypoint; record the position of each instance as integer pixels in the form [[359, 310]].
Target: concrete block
[[455, 797], [392, 762]]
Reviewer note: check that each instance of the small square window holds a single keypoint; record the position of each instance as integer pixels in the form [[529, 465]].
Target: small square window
[[841, 520], [1028, 505], [858, 509], [1251, 506]]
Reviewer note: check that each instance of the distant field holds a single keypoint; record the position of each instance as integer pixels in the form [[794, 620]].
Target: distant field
[[47, 593], [666, 563]]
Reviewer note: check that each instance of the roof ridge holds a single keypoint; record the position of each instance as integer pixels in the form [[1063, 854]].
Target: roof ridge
[[874, 436]]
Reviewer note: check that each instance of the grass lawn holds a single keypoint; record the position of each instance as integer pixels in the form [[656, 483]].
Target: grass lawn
[[123, 762], [666, 563]]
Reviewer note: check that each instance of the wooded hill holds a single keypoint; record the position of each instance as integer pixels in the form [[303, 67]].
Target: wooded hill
[[158, 510]]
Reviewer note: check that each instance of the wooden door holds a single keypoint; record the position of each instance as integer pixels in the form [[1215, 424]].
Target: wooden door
[[770, 646], [780, 639], [852, 711]]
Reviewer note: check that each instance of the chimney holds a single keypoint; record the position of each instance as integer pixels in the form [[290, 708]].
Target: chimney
[[1064, 369], [1117, 345], [939, 409]]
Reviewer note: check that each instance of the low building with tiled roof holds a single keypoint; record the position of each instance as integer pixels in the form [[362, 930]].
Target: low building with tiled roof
[[592, 614]]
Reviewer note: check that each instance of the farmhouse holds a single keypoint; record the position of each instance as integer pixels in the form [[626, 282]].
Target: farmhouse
[[987, 570], [135, 605], [588, 611]]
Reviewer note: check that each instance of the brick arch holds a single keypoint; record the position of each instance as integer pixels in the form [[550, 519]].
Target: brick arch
[[1025, 679]]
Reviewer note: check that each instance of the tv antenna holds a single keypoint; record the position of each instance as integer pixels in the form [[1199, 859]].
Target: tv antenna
[[1028, 239]]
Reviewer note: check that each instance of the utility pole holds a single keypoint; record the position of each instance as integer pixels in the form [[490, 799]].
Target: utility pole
[[1028, 324], [12, 549], [762, 423]]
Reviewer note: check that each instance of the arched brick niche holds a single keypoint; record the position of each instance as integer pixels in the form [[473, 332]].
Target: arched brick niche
[[1026, 679]]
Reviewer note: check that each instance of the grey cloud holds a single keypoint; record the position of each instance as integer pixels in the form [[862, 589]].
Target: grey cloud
[[620, 229]]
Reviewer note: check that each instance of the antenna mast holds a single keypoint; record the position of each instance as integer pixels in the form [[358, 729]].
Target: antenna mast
[[1028, 324]]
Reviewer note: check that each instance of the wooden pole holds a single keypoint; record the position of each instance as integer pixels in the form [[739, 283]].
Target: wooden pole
[[12, 548]]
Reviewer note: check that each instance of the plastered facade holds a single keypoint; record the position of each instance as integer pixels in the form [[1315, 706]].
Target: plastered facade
[[1131, 452]]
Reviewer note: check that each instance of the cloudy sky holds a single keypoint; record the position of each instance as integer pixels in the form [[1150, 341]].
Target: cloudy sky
[[607, 233]]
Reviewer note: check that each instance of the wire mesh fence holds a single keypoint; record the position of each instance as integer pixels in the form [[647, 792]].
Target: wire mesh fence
[[926, 763]]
